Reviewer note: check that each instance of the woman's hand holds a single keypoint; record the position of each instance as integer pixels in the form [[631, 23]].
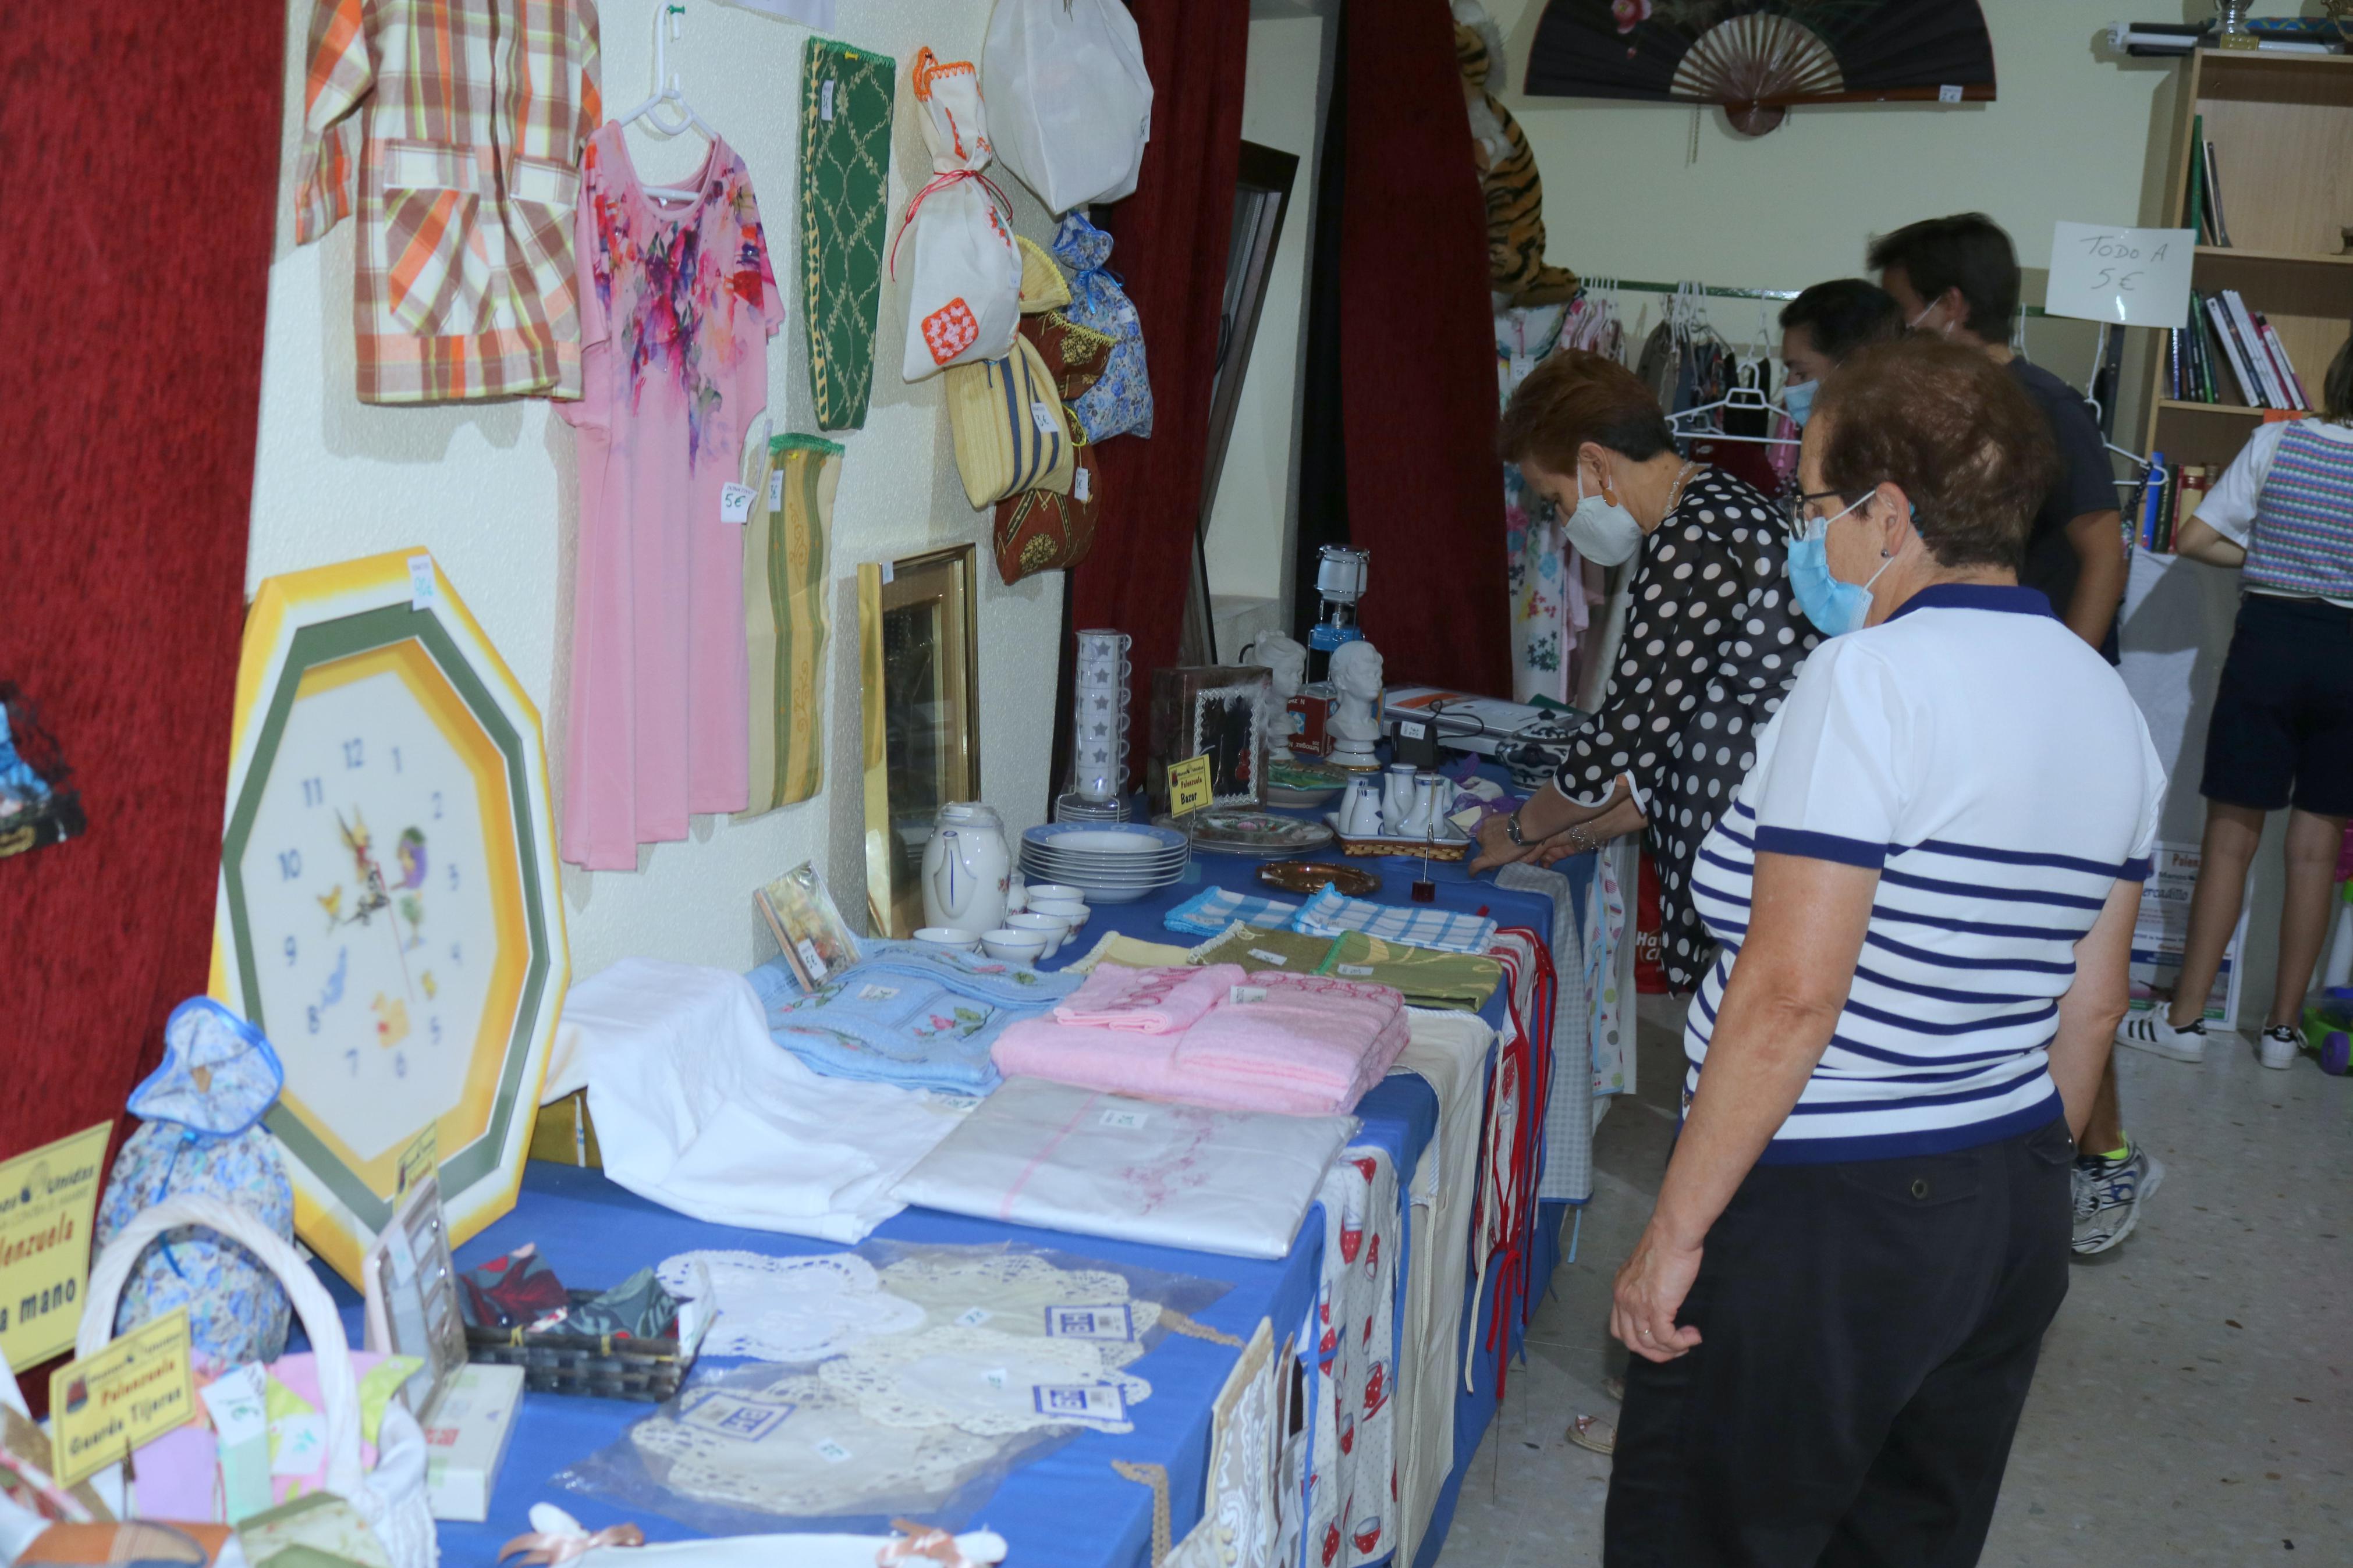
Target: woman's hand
[[1621, 816], [1495, 845], [1650, 1289]]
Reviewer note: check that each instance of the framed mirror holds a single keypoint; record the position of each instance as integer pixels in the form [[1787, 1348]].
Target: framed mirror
[[919, 680]]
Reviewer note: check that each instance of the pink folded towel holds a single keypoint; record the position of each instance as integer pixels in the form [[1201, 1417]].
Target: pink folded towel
[[1315, 1039], [1147, 1001], [1119, 1061]]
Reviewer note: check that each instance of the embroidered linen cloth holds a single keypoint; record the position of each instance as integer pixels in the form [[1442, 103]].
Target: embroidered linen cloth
[[1426, 977], [911, 1015], [1098, 1164], [1259, 947], [1148, 1001], [1215, 909], [1352, 1486], [786, 622], [846, 107], [1330, 913], [454, 130]]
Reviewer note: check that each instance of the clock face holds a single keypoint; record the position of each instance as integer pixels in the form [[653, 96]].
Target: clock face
[[388, 917]]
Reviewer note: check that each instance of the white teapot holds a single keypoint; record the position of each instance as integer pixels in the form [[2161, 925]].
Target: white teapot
[[967, 869]]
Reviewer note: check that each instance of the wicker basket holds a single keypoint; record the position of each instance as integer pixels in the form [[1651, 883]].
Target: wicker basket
[[391, 1496], [554, 1361], [1409, 848]]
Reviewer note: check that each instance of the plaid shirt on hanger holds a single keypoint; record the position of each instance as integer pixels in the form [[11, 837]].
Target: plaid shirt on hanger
[[455, 128]]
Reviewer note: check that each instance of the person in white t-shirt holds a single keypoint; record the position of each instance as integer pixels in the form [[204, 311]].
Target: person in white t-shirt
[[2281, 734], [1924, 895]]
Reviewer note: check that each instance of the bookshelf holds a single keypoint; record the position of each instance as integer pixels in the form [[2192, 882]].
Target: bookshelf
[[2281, 127]]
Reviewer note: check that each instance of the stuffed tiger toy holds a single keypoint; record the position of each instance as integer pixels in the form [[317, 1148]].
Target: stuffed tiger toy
[[1507, 172]]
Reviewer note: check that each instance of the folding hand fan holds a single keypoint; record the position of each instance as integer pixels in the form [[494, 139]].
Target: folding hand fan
[[1758, 58]]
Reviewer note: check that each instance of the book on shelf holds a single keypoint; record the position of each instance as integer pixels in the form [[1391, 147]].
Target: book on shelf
[[2250, 392], [2152, 490], [2194, 208], [2297, 397], [2213, 189], [2259, 360]]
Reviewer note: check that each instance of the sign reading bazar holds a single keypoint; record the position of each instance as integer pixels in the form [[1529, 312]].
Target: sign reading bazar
[[122, 1398], [46, 1199]]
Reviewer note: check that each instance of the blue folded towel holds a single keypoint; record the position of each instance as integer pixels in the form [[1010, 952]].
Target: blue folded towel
[[1214, 909], [910, 1014]]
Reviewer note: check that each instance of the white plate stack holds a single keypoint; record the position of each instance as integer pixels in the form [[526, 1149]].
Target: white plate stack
[[1116, 863]]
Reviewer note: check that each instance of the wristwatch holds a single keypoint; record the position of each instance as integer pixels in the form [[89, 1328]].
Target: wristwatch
[[1512, 827]]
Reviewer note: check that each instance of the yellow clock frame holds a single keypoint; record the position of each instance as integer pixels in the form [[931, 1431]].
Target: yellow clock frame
[[397, 614]]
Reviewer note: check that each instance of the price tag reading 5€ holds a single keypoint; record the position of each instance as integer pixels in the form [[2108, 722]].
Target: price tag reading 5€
[[1189, 785]]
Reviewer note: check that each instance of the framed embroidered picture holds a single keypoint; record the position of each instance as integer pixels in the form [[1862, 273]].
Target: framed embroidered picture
[[920, 721]]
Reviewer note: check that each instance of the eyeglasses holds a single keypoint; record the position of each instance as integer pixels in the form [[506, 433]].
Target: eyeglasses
[[1797, 508]]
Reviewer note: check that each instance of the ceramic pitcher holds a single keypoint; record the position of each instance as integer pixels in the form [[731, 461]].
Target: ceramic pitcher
[[967, 869]]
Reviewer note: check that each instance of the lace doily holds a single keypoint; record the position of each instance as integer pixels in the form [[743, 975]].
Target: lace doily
[[1025, 1296], [790, 1308], [799, 1447], [985, 1383]]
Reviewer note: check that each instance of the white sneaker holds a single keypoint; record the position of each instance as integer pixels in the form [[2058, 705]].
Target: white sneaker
[[2151, 1032], [2277, 1048]]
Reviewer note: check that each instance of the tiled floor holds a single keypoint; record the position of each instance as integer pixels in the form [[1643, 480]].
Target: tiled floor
[[2195, 1400]]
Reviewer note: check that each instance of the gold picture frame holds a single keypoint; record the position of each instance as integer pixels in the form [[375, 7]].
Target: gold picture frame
[[919, 682]]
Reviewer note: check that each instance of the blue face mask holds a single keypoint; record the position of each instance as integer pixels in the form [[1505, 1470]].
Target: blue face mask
[[1797, 397], [1835, 606]]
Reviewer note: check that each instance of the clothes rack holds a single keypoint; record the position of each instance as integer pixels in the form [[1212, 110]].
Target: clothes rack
[[1715, 291]]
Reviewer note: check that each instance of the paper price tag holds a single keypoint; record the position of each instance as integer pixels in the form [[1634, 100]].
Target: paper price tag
[[831, 1452], [877, 993], [995, 1377], [736, 503], [1271, 960], [1244, 995], [1125, 1121], [1082, 485], [1356, 969], [422, 592], [825, 99], [2107, 272], [300, 1445], [1412, 729], [1190, 785], [241, 1418], [1042, 414], [973, 1316], [776, 491], [46, 1199], [1950, 93], [122, 1398]]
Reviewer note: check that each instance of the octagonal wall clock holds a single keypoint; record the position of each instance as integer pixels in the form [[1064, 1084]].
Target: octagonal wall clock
[[388, 913]]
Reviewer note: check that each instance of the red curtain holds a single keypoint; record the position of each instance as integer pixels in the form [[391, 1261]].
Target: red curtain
[[136, 211], [1168, 246], [1418, 358]]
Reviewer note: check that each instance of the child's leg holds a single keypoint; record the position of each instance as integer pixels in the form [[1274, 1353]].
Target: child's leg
[[2228, 849], [2312, 846]]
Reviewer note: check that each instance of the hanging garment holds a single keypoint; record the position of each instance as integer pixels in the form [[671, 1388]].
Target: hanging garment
[[678, 303], [846, 97], [1352, 1495], [1548, 607], [455, 130], [785, 619]]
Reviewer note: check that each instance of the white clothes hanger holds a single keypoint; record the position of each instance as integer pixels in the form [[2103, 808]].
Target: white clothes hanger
[[1748, 400], [669, 95]]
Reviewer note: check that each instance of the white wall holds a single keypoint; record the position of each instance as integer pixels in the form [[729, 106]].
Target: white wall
[[490, 488], [1250, 525]]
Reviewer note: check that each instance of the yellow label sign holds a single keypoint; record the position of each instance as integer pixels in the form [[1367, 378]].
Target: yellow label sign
[[422, 1158], [46, 1199], [125, 1396], [1189, 785]]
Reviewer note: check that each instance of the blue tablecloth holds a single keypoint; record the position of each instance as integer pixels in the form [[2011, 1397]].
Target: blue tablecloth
[[1068, 1509]]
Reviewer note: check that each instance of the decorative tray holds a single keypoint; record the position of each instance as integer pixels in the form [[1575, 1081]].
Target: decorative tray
[[1314, 876], [1229, 831], [1292, 783], [1452, 844]]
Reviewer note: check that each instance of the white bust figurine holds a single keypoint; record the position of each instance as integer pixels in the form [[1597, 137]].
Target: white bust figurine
[[1356, 718], [1287, 658]]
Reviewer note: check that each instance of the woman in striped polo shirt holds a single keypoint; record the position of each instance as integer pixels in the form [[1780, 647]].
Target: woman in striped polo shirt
[[2282, 728], [1923, 892]]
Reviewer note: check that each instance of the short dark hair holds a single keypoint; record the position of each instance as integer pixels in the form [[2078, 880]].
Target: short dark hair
[[1954, 430], [1968, 251], [1843, 315], [1574, 398], [2336, 387]]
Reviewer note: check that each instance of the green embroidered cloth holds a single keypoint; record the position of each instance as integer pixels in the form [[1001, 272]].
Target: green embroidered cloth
[[1428, 978], [1253, 947], [846, 98], [786, 620]]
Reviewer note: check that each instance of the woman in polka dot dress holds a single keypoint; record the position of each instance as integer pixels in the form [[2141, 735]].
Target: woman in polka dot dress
[[1713, 636]]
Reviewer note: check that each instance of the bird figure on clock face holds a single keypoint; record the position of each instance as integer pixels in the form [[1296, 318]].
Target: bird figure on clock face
[[410, 855], [357, 840]]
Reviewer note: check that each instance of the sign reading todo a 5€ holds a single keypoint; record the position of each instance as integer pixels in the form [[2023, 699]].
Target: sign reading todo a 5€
[[47, 1199], [124, 1398], [1189, 785]]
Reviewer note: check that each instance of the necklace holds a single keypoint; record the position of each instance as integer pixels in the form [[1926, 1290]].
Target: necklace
[[1683, 479]]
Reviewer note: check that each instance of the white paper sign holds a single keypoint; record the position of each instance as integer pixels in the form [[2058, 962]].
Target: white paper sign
[[421, 591], [736, 503], [2135, 277]]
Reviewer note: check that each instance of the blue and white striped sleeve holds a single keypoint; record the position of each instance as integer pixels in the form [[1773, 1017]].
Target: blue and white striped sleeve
[[1834, 786]]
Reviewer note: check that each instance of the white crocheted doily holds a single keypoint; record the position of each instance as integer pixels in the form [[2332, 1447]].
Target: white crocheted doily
[[985, 1383], [790, 1308], [1024, 1295]]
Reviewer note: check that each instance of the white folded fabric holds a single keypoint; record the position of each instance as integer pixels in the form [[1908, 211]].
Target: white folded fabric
[[698, 1108], [1071, 1159]]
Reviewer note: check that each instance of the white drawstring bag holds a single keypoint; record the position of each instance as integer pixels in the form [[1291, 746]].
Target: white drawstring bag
[[963, 301], [1070, 96]]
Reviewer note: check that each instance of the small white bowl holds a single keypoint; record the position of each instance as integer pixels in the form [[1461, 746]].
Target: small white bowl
[[1013, 946], [1053, 929], [1074, 910], [951, 938], [1056, 891]]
